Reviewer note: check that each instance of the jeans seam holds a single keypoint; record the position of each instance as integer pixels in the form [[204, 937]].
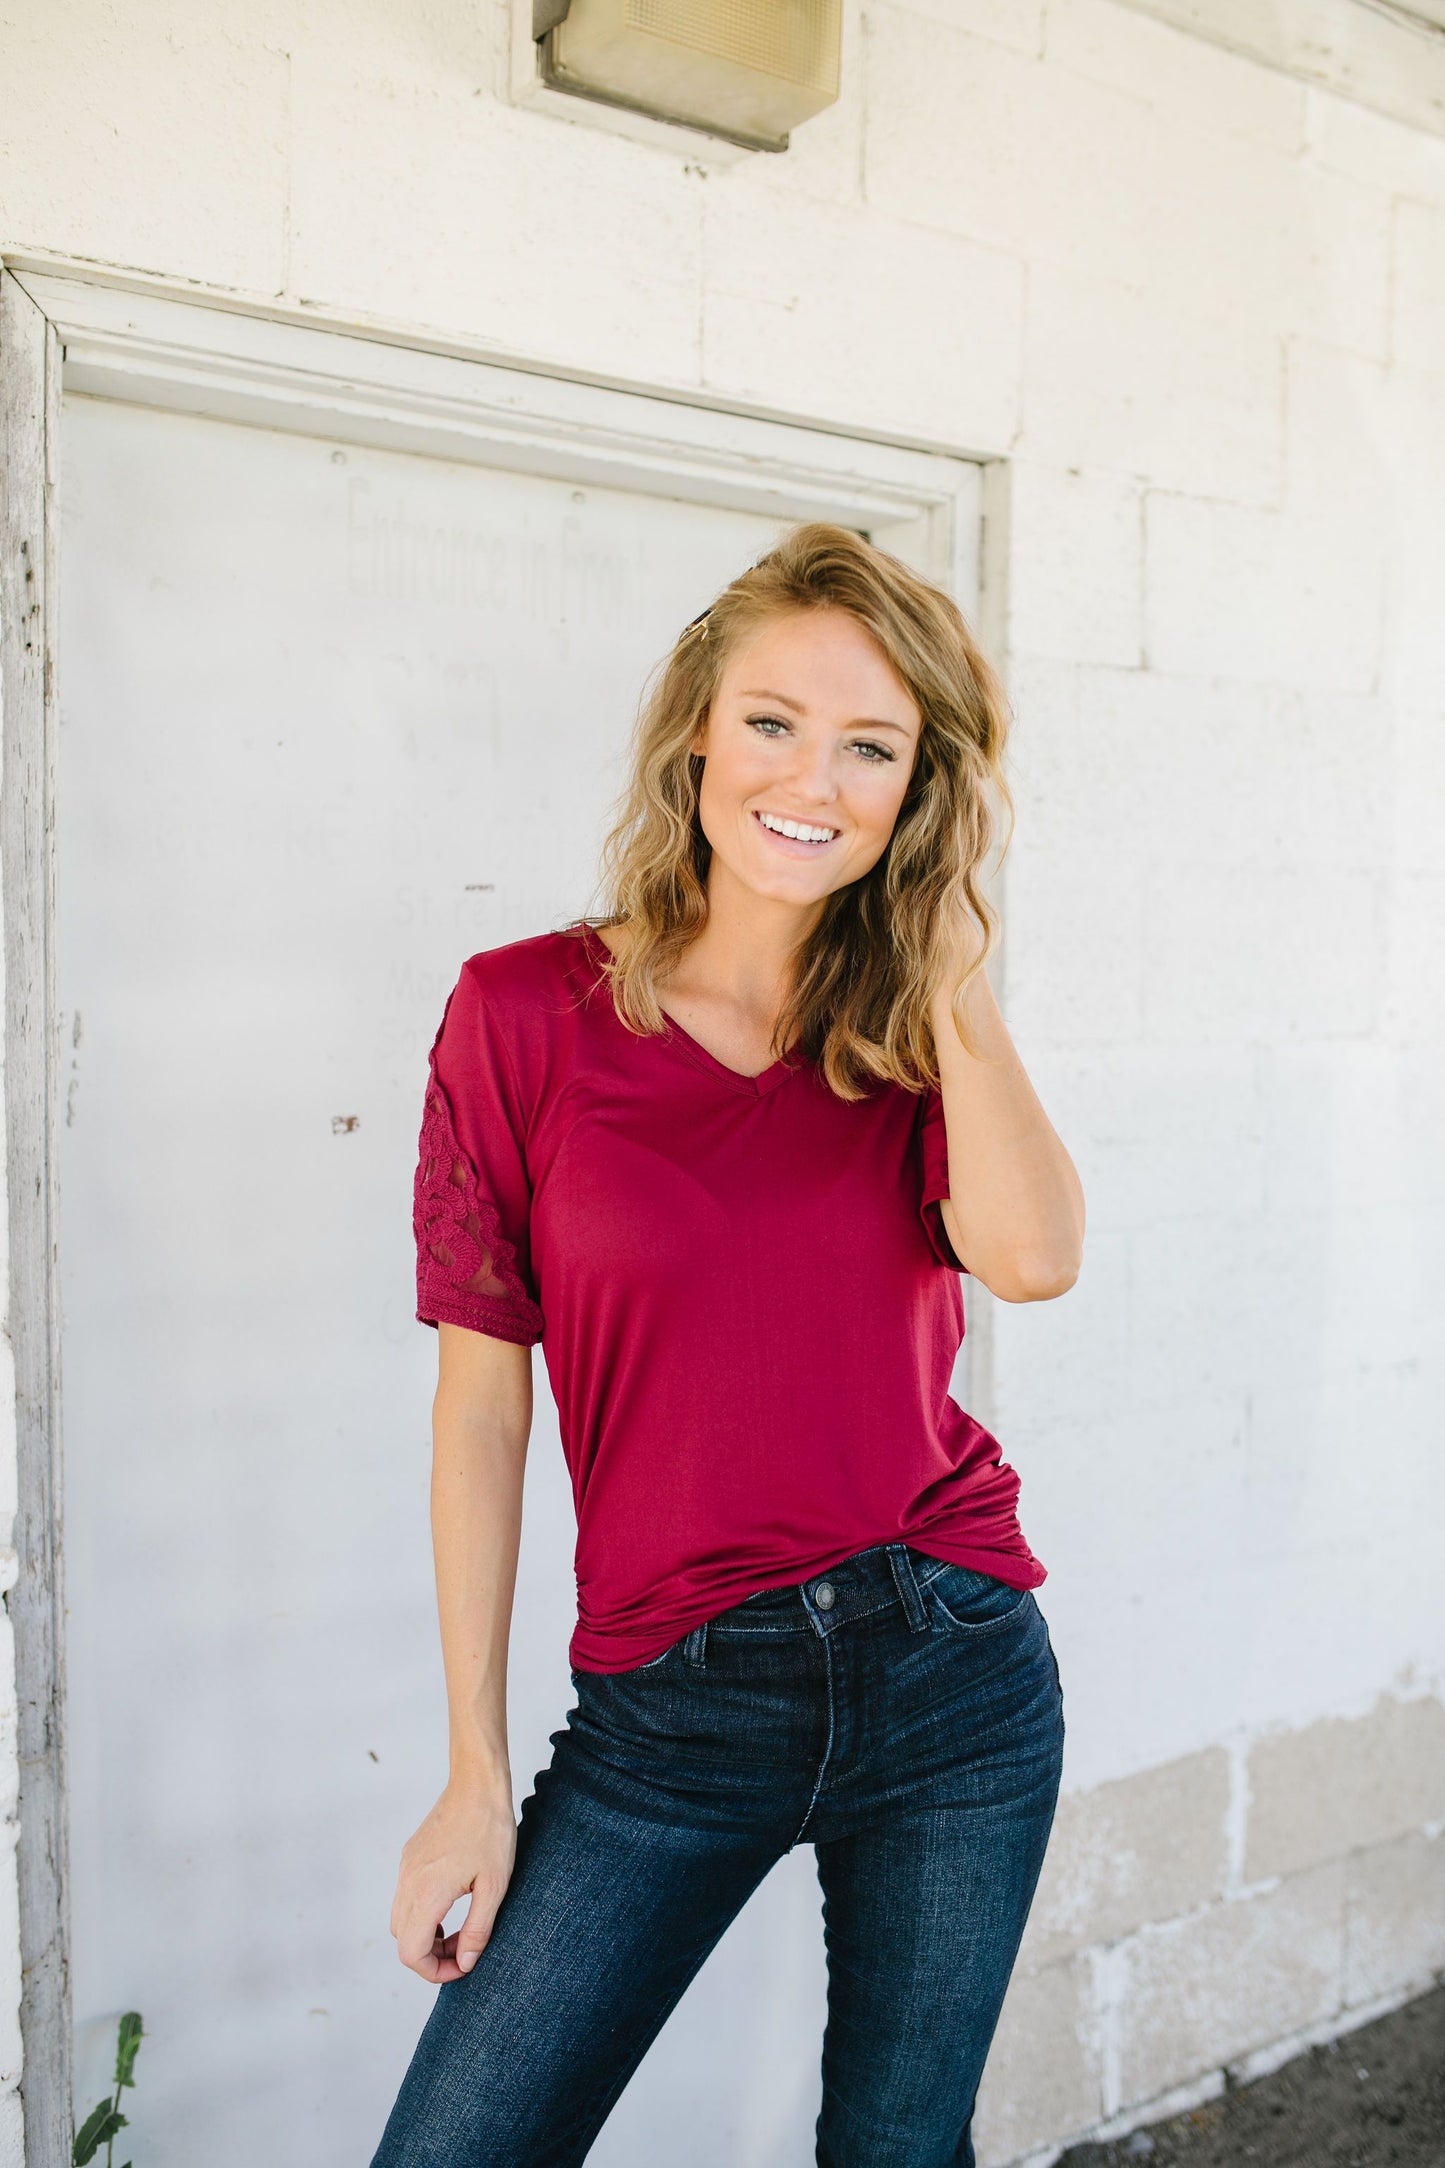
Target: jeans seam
[[827, 1746], [854, 1616], [753, 1633], [981, 1626], [910, 1595]]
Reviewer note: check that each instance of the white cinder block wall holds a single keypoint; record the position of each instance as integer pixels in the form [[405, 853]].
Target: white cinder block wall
[[1199, 307]]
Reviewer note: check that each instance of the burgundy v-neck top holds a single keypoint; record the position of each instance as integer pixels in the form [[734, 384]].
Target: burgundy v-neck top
[[746, 1298]]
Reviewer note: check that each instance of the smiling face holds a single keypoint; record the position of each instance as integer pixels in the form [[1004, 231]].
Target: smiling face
[[809, 744]]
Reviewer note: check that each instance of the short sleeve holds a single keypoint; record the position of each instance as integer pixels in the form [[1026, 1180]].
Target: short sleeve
[[934, 1139], [472, 1196]]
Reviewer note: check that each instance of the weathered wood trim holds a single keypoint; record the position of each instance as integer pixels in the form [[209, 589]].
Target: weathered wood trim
[[987, 575], [922, 501], [344, 384], [29, 407]]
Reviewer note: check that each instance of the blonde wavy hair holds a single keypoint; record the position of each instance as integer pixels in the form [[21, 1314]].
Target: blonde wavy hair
[[860, 1003]]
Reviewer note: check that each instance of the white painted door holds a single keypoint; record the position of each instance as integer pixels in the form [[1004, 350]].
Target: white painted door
[[331, 720]]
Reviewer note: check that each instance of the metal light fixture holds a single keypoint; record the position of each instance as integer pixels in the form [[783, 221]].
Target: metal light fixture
[[746, 70]]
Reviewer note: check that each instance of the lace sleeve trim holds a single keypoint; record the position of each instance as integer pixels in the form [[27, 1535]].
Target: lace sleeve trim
[[466, 1267]]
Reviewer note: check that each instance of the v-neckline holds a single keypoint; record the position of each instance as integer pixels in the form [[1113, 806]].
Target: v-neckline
[[756, 1087]]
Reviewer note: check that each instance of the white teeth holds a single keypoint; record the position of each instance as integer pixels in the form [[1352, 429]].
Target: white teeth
[[797, 829]]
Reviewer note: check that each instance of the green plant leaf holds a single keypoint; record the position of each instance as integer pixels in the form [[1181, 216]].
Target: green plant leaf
[[87, 2138], [127, 2043], [99, 2127]]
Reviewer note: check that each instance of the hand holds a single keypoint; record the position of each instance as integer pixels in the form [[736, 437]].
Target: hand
[[467, 1842]]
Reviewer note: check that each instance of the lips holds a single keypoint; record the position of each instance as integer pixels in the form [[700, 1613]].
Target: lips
[[795, 846]]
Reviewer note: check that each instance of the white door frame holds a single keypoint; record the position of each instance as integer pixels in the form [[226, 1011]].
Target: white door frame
[[939, 509]]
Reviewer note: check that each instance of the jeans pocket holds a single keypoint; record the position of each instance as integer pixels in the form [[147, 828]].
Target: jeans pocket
[[653, 1662], [967, 1601]]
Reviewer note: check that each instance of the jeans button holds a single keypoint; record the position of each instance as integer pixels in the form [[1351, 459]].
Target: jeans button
[[824, 1595]]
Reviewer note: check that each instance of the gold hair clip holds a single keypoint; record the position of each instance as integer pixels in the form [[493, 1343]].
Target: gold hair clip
[[701, 619]]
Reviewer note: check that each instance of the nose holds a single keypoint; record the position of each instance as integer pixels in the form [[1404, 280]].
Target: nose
[[813, 781]]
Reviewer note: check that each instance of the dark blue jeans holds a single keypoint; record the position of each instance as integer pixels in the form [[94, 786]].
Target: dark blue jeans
[[901, 1715]]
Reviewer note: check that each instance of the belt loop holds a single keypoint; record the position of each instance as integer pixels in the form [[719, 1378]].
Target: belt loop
[[694, 1648], [907, 1581]]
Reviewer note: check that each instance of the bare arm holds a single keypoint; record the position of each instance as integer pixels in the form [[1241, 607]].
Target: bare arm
[[1016, 1210], [481, 1421]]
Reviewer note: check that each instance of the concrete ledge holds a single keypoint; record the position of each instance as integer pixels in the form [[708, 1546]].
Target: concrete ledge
[[1043, 2074], [1384, 61], [1194, 1995], [1143, 1849], [1394, 1917], [1343, 1784]]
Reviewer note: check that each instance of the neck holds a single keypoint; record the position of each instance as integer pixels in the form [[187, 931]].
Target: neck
[[747, 952]]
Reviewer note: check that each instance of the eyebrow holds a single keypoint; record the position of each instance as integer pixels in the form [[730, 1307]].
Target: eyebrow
[[864, 722]]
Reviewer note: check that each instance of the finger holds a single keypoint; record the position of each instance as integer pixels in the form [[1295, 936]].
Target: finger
[[419, 1946], [440, 1964], [474, 1933]]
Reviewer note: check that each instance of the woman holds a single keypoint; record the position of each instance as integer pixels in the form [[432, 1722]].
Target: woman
[[733, 1146]]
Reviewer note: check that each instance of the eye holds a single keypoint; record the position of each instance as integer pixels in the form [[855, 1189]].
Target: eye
[[869, 746]]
